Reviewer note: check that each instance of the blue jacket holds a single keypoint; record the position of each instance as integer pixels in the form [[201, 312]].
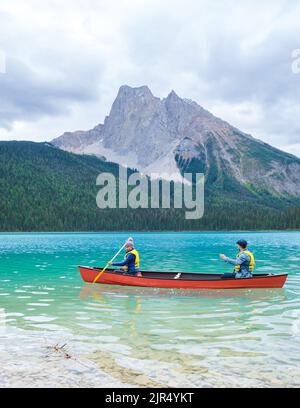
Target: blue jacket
[[129, 261], [244, 261]]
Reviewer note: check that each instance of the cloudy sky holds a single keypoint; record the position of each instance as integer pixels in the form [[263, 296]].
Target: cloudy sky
[[65, 61]]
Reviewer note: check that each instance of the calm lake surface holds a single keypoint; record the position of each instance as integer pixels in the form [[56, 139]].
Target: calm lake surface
[[118, 336]]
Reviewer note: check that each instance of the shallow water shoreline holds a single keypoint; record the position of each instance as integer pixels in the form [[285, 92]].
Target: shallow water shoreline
[[120, 337]]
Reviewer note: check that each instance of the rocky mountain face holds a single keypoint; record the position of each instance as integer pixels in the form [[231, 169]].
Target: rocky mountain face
[[173, 135]]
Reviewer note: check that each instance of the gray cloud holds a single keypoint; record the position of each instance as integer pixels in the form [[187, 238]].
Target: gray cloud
[[67, 62], [26, 95]]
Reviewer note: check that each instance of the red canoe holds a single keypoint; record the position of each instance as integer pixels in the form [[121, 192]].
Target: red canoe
[[185, 281]]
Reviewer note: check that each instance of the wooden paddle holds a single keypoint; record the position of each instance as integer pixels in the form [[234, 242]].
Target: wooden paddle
[[108, 263]]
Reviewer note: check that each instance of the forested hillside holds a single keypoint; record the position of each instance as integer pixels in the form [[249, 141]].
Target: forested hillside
[[43, 188]]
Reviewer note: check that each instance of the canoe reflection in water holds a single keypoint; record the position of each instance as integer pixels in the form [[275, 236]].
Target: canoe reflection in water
[[101, 292]]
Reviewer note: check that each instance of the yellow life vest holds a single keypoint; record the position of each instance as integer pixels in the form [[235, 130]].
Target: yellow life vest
[[252, 261], [137, 259]]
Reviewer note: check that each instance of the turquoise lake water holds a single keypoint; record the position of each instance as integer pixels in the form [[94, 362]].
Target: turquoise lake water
[[117, 336]]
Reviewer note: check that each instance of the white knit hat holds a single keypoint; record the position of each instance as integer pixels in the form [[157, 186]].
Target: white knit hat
[[130, 241]]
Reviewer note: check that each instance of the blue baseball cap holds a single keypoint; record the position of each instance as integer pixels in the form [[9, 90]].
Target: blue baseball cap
[[242, 243]]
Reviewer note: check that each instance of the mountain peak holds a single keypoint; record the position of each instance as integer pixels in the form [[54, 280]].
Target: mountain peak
[[177, 135], [173, 95], [129, 101], [126, 90]]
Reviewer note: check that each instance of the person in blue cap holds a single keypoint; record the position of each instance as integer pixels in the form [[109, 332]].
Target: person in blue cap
[[243, 264]]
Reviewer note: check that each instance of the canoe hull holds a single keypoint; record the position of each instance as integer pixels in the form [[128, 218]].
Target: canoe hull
[[186, 281]]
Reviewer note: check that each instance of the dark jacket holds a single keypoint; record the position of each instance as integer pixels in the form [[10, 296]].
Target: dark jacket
[[129, 261]]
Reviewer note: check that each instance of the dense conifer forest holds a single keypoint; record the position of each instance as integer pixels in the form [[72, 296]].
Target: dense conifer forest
[[43, 188]]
